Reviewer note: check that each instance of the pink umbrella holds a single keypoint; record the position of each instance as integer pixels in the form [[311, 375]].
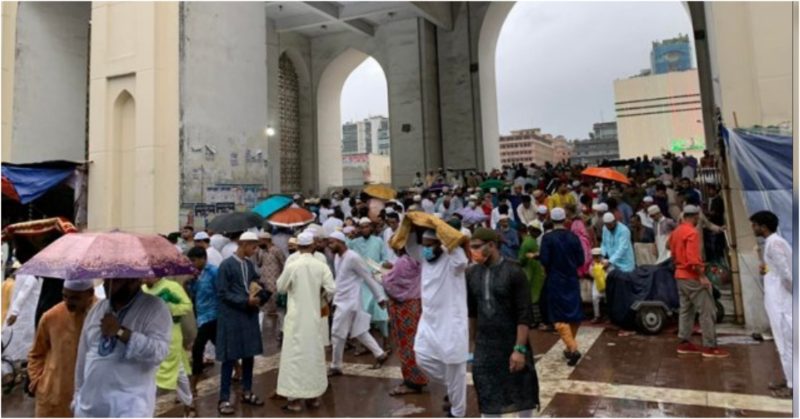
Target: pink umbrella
[[80, 256]]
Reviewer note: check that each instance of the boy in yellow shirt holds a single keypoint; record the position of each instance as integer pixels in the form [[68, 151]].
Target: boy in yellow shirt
[[598, 273]]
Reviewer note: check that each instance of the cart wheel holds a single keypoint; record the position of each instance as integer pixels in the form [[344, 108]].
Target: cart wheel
[[720, 311], [651, 319]]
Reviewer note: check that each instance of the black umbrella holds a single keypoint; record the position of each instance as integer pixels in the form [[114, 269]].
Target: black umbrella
[[235, 221]]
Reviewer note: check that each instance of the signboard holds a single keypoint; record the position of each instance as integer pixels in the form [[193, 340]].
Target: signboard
[[204, 210], [224, 207], [693, 144]]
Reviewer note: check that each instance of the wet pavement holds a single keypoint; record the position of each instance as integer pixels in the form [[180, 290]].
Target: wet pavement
[[639, 376]]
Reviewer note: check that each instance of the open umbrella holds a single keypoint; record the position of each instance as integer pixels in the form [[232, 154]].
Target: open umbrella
[[272, 205], [234, 222], [493, 183], [291, 217], [116, 254], [606, 173], [381, 192]]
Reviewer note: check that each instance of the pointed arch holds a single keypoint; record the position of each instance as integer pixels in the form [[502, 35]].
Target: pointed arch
[[123, 149]]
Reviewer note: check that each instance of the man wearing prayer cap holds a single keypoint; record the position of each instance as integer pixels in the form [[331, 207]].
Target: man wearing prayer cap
[[51, 361], [371, 248], [213, 256], [662, 227], [642, 213], [541, 213], [617, 244]]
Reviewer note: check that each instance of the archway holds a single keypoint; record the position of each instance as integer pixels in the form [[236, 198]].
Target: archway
[[289, 98], [495, 18], [123, 146]]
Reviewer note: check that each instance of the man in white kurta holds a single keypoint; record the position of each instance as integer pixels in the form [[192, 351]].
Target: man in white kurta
[[441, 345], [777, 293], [317, 234], [305, 281], [349, 318], [119, 378], [20, 318]]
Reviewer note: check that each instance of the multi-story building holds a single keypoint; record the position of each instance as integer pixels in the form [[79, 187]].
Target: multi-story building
[[659, 113], [531, 146], [368, 136], [669, 55], [601, 145]]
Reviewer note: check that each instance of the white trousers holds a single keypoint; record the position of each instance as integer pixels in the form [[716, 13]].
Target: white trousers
[[454, 376], [184, 389], [596, 297], [780, 321], [339, 343]]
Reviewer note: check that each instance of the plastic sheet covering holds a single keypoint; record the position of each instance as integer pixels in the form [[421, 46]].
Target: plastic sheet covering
[[645, 283], [32, 182], [763, 164]]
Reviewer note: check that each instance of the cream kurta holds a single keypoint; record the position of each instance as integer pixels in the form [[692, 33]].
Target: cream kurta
[[302, 373]]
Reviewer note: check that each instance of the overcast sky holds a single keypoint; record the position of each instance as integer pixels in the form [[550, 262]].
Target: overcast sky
[[556, 63]]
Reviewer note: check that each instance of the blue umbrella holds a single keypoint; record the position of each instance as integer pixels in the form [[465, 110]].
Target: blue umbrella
[[272, 205]]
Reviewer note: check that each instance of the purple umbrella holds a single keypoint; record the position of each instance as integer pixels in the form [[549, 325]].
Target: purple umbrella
[[471, 216], [80, 256]]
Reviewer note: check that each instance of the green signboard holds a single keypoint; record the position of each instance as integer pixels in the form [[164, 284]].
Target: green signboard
[[694, 144]]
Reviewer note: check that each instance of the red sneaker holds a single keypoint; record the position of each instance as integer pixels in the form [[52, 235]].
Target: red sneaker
[[689, 348], [715, 353]]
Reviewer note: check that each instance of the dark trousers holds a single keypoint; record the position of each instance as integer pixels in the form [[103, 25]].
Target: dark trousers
[[227, 375], [205, 333]]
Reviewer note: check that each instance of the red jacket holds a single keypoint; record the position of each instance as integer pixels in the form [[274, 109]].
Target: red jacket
[[684, 243]]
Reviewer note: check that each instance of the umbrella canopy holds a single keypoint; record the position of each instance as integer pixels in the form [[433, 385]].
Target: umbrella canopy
[[493, 183], [607, 174], [272, 205], [117, 254], [291, 217], [381, 192], [234, 222]]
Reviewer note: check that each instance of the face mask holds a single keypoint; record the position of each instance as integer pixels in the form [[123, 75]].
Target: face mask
[[428, 253], [478, 256]]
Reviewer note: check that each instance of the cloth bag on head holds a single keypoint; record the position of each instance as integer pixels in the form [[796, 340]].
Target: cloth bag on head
[[450, 237]]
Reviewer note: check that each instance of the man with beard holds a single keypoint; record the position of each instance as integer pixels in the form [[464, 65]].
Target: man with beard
[[124, 340], [499, 297]]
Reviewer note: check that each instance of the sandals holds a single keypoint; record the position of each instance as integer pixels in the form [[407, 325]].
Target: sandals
[[225, 408], [252, 400], [292, 407], [381, 360], [402, 390]]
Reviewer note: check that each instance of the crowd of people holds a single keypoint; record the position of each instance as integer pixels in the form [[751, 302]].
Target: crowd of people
[[450, 272]]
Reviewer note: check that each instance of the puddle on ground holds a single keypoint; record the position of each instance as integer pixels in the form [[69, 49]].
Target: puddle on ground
[[407, 410]]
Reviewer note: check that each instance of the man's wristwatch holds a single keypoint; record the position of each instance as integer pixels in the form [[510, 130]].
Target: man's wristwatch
[[120, 333], [521, 349]]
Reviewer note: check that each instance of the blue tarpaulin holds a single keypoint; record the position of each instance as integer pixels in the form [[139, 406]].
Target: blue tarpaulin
[[763, 164], [33, 182]]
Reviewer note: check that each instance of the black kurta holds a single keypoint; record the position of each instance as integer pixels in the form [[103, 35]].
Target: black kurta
[[499, 296], [238, 334]]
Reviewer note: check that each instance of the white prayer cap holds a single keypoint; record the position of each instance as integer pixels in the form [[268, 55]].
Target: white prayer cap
[[264, 235], [536, 224], [595, 191], [558, 214], [349, 229], [601, 207], [541, 209], [305, 239], [389, 210], [653, 210], [315, 231], [667, 183], [596, 207], [599, 185], [493, 190], [576, 183], [597, 251], [473, 197], [293, 240], [364, 221], [690, 210], [337, 235], [470, 190], [79, 285], [609, 218], [648, 199], [429, 234], [537, 193], [202, 235], [417, 198], [248, 236], [503, 217], [296, 197]]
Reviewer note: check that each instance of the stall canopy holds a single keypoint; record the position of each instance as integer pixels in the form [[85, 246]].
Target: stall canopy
[[27, 182], [763, 164]]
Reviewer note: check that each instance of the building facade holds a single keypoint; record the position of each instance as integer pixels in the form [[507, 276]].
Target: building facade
[[669, 55], [531, 146], [601, 145], [659, 113], [368, 136]]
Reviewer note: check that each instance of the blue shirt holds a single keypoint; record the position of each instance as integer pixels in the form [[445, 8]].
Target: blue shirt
[[618, 248], [509, 247], [205, 295], [372, 248]]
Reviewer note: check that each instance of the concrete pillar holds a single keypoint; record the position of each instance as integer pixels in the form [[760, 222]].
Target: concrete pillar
[[9, 49], [133, 132]]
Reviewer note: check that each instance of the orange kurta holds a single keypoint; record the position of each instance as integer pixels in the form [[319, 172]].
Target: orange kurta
[[51, 361]]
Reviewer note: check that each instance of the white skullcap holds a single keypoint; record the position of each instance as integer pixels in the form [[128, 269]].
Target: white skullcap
[[690, 210], [389, 210], [79, 285], [597, 251], [493, 190], [337, 235], [503, 217], [264, 235], [648, 199], [292, 240], [202, 235], [536, 224], [296, 197], [653, 210], [417, 198], [595, 191], [364, 221], [473, 198], [429, 234], [599, 184], [248, 236], [349, 229], [602, 207], [305, 239], [576, 183], [667, 183], [537, 193], [470, 190], [558, 214], [609, 218], [541, 209]]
